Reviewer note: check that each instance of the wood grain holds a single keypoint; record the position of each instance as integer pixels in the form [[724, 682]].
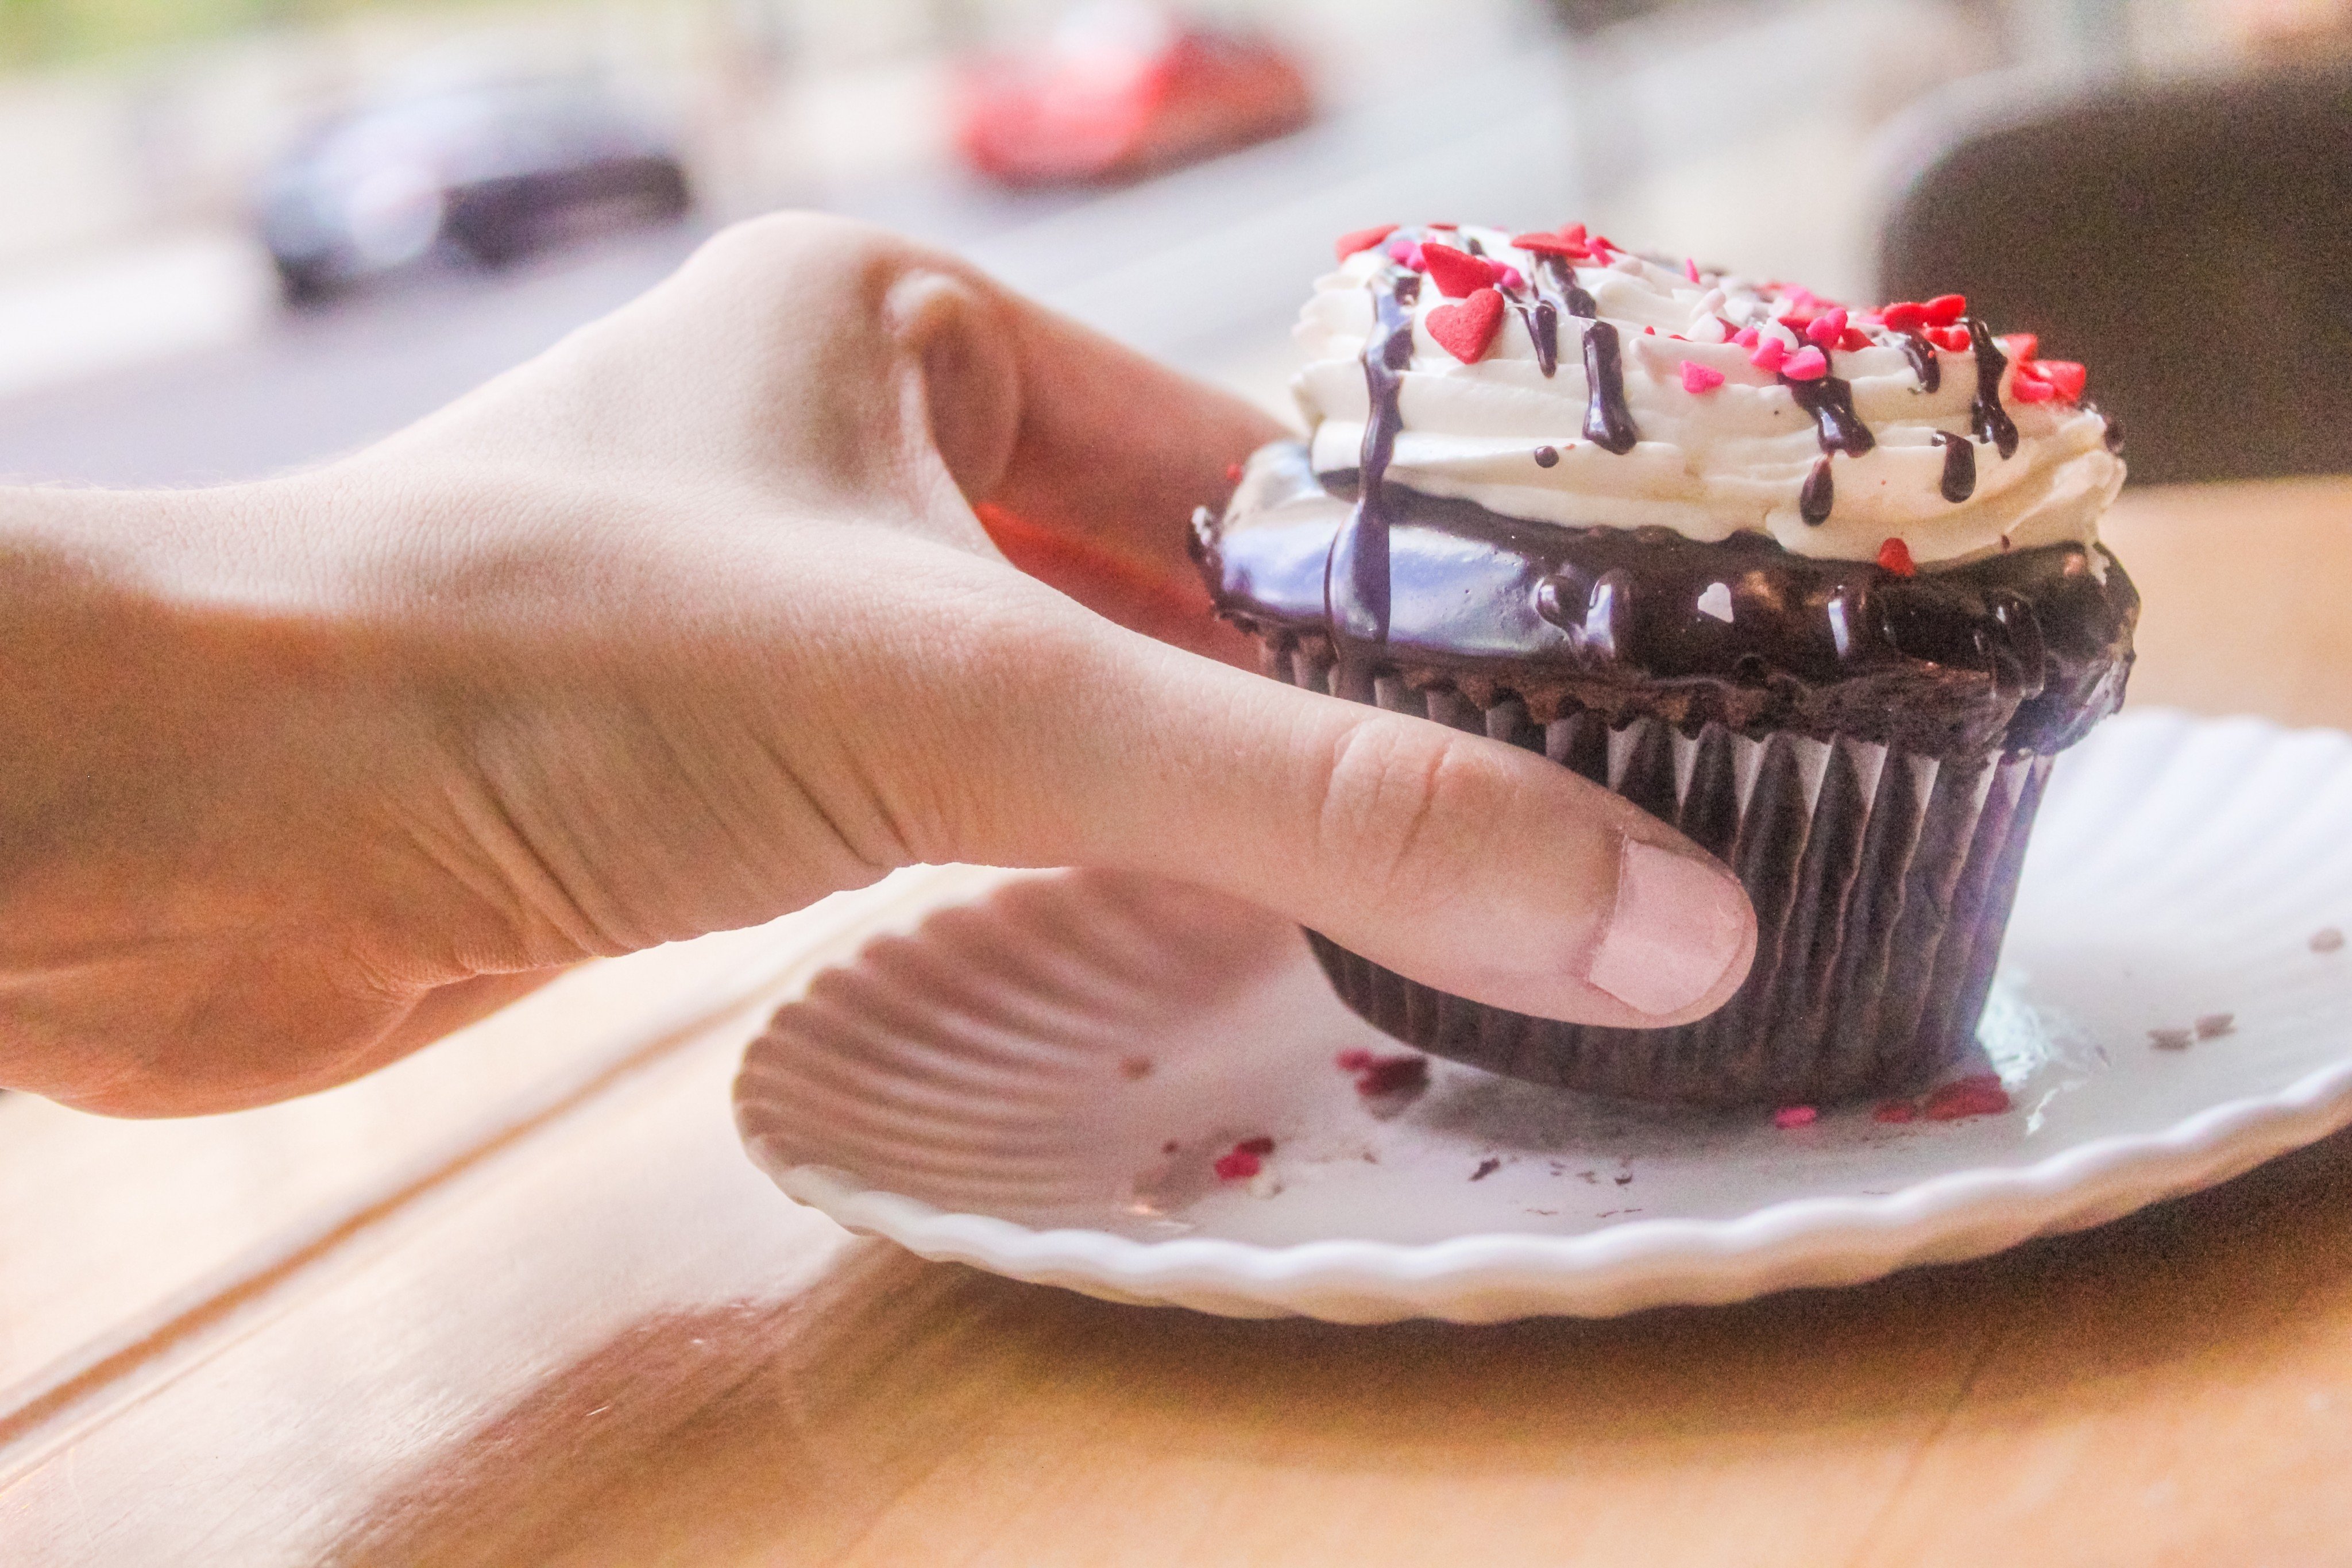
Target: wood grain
[[2247, 593], [580, 1330]]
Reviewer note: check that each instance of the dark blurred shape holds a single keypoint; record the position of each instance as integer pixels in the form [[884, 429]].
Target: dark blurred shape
[[2192, 242], [493, 171], [1582, 16], [1123, 91]]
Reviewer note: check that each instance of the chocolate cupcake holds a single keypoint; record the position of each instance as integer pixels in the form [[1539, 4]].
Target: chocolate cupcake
[[1821, 588]]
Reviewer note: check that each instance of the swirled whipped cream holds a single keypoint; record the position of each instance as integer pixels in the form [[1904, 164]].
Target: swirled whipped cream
[[1905, 434]]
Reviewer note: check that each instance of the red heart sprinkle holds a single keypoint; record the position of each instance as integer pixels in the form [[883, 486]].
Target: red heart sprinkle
[[1852, 338], [1465, 331], [2021, 346], [1895, 1110], [1348, 243], [1458, 273], [1904, 316], [1944, 308], [1549, 244], [1955, 340], [2064, 375], [1979, 1096], [1232, 473], [1238, 1167], [2025, 388], [1895, 556]]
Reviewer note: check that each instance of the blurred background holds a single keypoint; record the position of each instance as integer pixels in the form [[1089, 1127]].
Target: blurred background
[[241, 234]]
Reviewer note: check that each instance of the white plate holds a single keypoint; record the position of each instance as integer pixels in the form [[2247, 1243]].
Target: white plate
[[1036, 1082]]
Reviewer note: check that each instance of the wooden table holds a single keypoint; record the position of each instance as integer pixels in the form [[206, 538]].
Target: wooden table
[[522, 1300]]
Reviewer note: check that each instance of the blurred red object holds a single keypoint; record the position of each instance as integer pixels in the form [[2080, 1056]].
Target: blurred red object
[[1123, 91]]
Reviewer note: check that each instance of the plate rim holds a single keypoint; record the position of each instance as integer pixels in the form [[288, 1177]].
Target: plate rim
[[1813, 1240]]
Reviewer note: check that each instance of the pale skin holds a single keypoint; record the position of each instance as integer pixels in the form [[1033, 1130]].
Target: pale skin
[[683, 626]]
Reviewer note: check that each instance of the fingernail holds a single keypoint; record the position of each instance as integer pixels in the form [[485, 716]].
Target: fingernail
[[1679, 923]]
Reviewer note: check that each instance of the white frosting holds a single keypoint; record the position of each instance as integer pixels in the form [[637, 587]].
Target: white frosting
[[1708, 464]]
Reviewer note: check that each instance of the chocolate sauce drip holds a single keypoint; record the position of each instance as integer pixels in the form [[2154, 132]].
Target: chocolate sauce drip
[[1813, 502], [1924, 361], [1470, 243], [1546, 457], [1356, 573], [1987, 416], [1608, 422], [1830, 402], [2115, 433], [1959, 466], [1543, 331], [1575, 300]]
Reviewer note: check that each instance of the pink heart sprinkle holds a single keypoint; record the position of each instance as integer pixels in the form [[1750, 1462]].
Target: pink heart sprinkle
[[1745, 337], [1826, 329], [1698, 378], [1790, 1116], [1806, 364], [1512, 279], [1771, 352], [1690, 269]]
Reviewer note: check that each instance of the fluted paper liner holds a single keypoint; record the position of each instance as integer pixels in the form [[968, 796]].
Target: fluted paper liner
[[1882, 883]]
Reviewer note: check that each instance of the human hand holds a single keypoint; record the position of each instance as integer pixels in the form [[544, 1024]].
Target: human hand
[[683, 626]]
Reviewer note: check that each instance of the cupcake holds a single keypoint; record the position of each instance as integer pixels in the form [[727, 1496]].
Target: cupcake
[[1821, 586]]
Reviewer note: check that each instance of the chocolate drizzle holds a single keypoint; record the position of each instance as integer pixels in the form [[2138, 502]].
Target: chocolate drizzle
[[2114, 433], [1987, 416], [1608, 422], [1813, 502], [1830, 402], [1543, 331], [1923, 358], [1959, 466], [1356, 573], [1575, 300]]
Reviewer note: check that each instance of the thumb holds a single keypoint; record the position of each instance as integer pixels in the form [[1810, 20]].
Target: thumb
[[1462, 862]]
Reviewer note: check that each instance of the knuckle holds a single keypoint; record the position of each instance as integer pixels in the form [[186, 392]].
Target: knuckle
[[798, 257], [1412, 806]]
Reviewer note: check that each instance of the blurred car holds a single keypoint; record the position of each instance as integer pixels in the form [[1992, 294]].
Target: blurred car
[[1119, 91], [493, 171]]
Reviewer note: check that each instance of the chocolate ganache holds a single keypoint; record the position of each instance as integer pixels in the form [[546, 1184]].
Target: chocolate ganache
[[2023, 651]]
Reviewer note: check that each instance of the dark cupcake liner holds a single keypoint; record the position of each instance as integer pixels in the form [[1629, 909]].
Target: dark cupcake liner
[[1882, 882]]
